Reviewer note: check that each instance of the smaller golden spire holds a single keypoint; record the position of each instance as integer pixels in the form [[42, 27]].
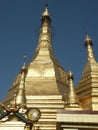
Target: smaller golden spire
[[20, 97], [72, 100]]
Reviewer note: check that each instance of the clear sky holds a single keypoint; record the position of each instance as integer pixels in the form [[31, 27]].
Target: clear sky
[[19, 28]]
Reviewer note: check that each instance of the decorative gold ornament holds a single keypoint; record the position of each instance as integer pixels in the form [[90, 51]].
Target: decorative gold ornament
[[33, 114]]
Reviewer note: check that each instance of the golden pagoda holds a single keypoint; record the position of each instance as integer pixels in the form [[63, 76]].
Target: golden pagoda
[[88, 85], [45, 79], [81, 113], [45, 86]]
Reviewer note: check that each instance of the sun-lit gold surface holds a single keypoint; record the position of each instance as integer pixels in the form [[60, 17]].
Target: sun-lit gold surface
[[16, 125], [88, 85], [45, 80], [44, 84], [77, 120]]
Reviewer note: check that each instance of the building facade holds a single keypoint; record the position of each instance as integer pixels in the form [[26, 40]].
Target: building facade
[[44, 84]]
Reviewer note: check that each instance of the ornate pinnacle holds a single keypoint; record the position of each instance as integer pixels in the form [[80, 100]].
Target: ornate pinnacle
[[24, 65], [46, 12], [70, 75], [88, 40], [72, 101], [46, 3], [45, 37], [20, 97], [88, 44]]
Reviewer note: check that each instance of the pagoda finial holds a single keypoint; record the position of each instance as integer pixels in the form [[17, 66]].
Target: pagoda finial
[[70, 75], [85, 28], [88, 40], [45, 35], [24, 58], [46, 12], [89, 45], [46, 3]]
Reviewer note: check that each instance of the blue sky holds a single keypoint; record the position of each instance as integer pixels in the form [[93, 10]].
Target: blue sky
[[19, 27]]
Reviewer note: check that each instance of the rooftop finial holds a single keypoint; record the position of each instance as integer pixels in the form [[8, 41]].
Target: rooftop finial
[[46, 13], [25, 57], [70, 75], [46, 3], [89, 45], [85, 28], [88, 40]]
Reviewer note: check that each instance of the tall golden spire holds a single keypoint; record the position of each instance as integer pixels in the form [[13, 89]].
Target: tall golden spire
[[45, 81], [44, 64], [45, 31], [72, 100]]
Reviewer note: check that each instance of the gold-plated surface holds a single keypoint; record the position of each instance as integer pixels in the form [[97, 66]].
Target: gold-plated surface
[[44, 76], [88, 85], [77, 120], [44, 84], [10, 125], [45, 80], [46, 13], [33, 114]]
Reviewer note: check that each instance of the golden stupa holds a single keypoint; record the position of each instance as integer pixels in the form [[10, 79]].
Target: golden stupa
[[45, 85]]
